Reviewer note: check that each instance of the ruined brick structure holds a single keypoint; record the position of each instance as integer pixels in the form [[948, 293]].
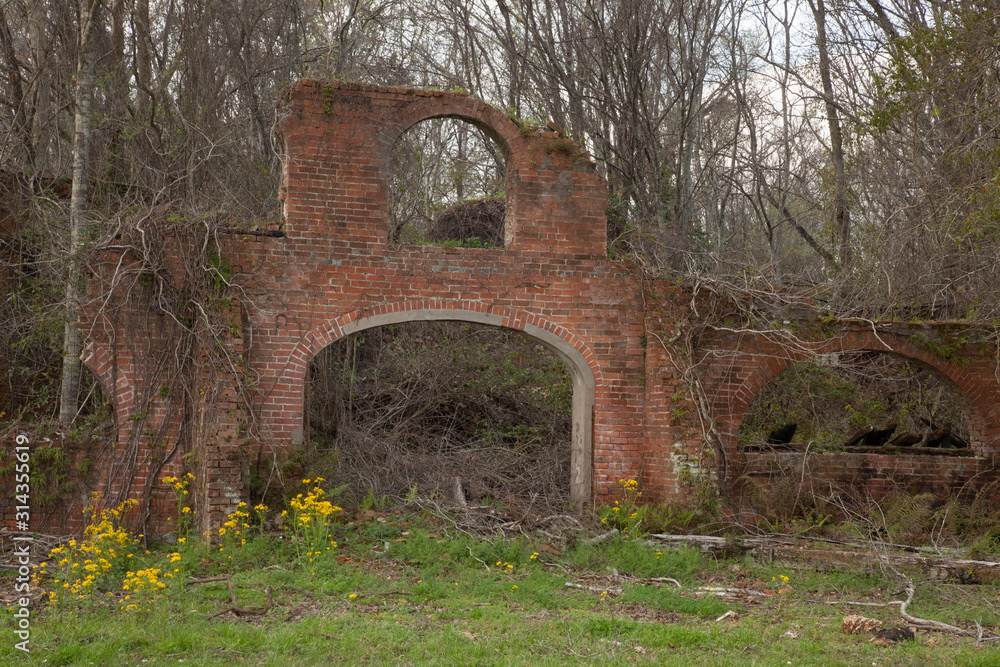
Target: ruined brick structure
[[735, 367], [328, 270]]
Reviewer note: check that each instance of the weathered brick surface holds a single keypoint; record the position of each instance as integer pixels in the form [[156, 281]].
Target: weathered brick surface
[[866, 475], [335, 268], [333, 272], [736, 366]]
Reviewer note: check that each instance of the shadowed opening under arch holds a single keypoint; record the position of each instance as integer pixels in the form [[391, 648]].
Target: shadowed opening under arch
[[860, 398], [581, 374]]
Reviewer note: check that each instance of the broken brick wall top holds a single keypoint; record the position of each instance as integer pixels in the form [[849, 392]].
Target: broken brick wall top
[[338, 138]]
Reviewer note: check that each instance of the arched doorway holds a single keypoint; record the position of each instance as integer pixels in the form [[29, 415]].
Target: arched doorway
[[556, 339]]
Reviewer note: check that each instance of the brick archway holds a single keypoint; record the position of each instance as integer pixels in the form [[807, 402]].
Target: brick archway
[[115, 382], [977, 407], [493, 122], [578, 358]]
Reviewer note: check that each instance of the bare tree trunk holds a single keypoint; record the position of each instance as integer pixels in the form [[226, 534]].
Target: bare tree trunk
[[41, 96], [784, 181], [841, 213], [21, 125], [685, 167], [143, 58], [73, 339]]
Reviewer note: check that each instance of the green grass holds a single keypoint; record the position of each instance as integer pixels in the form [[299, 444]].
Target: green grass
[[439, 597]]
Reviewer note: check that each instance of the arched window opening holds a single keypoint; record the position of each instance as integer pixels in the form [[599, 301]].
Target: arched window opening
[[447, 181], [95, 411], [858, 401], [457, 410], [30, 394]]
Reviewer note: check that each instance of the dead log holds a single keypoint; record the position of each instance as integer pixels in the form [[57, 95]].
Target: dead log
[[725, 591], [857, 437], [905, 440], [594, 589], [770, 548]]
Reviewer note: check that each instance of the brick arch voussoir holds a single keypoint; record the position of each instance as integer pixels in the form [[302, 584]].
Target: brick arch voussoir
[[114, 378], [980, 407], [494, 122], [574, 352], [332, 330]]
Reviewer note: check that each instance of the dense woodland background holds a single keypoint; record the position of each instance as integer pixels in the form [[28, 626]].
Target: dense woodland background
[[844, 152]]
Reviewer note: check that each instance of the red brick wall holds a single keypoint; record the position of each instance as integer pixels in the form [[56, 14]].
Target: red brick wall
[[736, 366], [870, 476], [335, 267], [333, 271]]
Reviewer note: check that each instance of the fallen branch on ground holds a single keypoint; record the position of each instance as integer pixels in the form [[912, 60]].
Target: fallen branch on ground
[[660, 579], [241, 611], [600, 538], [295, 614], [856, 604], [798, 550], [736, 592], [927, 623], [192, 582], [594, 589], [562, 516], [711, 590]]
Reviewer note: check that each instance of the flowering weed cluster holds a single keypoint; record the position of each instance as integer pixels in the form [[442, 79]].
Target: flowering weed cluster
[[108, 561], [504, 567], [783, 590], [109, 567], [184, 513], [233, 532], [310, 521], [626, 514], [95, 562], [142, 587]]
